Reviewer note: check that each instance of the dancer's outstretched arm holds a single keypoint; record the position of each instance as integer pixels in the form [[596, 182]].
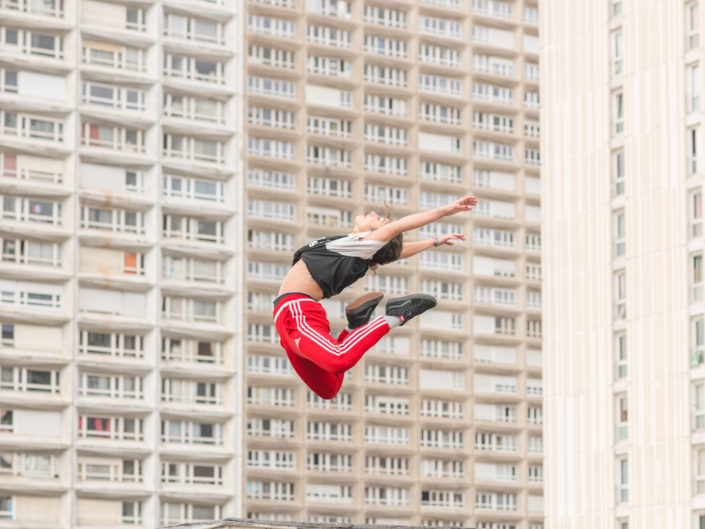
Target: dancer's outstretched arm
[[416, 220], [413, 248]]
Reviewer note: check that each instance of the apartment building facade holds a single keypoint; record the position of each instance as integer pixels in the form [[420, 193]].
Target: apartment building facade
[[349, 104], [622, 197], [148, 214], [120, 271]]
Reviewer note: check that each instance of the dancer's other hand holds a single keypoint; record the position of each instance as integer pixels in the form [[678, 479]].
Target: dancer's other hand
[[462, 204]]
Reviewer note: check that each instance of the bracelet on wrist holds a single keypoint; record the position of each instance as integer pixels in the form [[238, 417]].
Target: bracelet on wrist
[[435, 237], [440, 213]]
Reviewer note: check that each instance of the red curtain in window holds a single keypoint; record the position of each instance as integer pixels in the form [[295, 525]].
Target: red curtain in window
[[93, 134], [130, 263], [9, 166]]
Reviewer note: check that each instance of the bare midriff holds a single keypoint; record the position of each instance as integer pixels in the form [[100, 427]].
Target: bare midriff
[[298, 279]]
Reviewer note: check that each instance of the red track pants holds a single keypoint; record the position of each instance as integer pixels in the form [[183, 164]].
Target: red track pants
[[319, 359]]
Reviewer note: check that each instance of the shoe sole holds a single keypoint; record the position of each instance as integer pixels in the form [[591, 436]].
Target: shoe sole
[[364, 301], [410, 297]]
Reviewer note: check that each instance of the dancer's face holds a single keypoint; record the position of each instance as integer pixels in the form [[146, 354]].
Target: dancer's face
[[369, 222]]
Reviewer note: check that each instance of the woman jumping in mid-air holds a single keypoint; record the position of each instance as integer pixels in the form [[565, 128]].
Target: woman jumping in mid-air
[[323, 268]]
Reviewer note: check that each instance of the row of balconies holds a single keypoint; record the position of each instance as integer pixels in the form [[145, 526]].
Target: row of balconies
[[341, 130], [485, 180], [397, 17], [127, 434]]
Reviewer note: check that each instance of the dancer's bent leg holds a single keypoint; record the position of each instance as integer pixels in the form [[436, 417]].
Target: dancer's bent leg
[[324, 384], [305, 323]]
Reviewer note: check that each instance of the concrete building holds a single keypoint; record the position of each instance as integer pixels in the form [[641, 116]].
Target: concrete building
[[120, 281], [125, 273], [622, 200], [348, 104]]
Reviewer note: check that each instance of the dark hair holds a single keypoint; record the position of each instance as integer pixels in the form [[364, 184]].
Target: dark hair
[[392, 250], [388, 253]]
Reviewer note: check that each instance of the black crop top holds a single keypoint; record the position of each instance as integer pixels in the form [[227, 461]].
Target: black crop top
[[337, 262]]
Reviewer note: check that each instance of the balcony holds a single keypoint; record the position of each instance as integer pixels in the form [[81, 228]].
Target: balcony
[[176, 434], [194, 149], [115, 97], [493, 8], [128, 59], [493, 65], [32, 127], [190, 310], [28, 42], [110, 429], [193, 69], [193, 29], [327, 36], [331, 8], [110, 470], [49, 8], [446, 4]]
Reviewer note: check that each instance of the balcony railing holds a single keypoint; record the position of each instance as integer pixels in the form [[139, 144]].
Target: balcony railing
[[31, 299], [130, 60], [26, 126], [107, 472], [52, 8]]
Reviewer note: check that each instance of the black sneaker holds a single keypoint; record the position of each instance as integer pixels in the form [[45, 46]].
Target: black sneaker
[[360, 310], [407, 307]]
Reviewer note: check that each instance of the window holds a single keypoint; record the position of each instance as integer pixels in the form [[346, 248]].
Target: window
[[621, 296], [191, 68], [622, 418], [385, 16], [190, 391], [700, 471], [271, 87], [129, 387], [112, 96], [270, 490], [193, 189], [618, 172], [619, 235], [621, 346], [531, 100], [692, 22], [196, 29], [695, 208], [114, 344], [696, 278], [535, 474], [616, 8], [617, 53], [693, 142], [328, 36], [333, 8], [194, 229], [385, 46], [329, 431], [693, 88], [115, 428], [26, 379], [193, 433], [134, 19], [178, 513], [7, 511], [622, 480], [128, 470], [8, 334], [617, 113], [131, 513], [121, 58], [698, 398], [698, 342]]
